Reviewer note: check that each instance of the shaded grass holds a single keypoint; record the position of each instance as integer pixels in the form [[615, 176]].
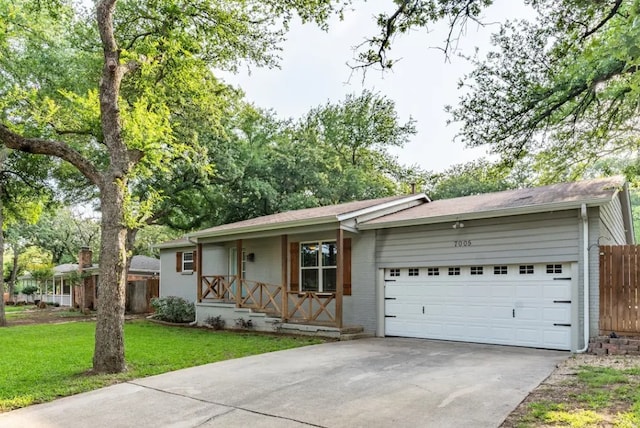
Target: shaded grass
[[43, 362], [12, 309]]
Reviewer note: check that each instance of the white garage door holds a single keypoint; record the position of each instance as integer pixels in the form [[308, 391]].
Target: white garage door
[[523, 305]]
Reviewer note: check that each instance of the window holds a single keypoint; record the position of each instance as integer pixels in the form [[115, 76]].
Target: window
[[454, 271], [318, 265], [526, 269], [554, 268], [476, 270], [433, 271], [414, 272], [394, 272], [500, 270], [187, 262]]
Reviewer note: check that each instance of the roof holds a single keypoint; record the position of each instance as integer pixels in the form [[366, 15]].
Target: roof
[[306, 217], [509, 202], [144, 264], [176, 243], [65, 268]]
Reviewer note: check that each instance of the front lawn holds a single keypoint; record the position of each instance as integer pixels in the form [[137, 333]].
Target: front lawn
[[43, 362]]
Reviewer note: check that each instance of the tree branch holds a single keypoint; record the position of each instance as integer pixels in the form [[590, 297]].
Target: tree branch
[[610, 15], [58, 149]]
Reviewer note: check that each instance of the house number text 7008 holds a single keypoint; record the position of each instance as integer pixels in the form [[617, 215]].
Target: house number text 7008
[[465, 243]]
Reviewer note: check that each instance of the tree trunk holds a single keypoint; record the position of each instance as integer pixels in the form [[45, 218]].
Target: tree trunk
[[14, 271], [3, 317], [109, 346], [131, 240]]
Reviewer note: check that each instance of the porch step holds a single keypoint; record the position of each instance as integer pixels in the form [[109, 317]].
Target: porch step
[[356, 336]]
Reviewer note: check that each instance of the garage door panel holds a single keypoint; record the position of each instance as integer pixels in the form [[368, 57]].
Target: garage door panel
[[557, 314], [557, 337], [557, 291], [524, 314], [502, 290], [510, 309], [528, 290]]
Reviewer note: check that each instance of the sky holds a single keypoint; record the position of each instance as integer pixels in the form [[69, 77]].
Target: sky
[[314, 71]]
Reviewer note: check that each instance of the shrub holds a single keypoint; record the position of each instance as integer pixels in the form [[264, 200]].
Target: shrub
[[217, 323], [29, 290], [174, 309]]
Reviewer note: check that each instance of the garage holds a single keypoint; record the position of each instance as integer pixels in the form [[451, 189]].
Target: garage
[[516, 304]]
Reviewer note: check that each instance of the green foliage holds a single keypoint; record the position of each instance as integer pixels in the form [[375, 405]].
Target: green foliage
[[63, 355], [173, 309], [472, 178], [29, 290], [62, 233], [263, 164], [42, 273], [562, 91]]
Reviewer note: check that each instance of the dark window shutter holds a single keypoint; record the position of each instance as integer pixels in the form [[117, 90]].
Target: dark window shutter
[[195, 260], [179, 261], [294, 260], [346, 277]]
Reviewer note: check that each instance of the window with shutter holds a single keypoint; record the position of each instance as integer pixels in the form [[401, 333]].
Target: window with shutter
[[313, 266]]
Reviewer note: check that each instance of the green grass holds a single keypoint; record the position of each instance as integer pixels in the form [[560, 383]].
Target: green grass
[[16, 312], [40, 363], [14, 309], [596, 377], [603, 391]]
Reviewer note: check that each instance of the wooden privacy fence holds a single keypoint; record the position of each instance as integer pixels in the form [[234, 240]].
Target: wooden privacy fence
[[619, 289]]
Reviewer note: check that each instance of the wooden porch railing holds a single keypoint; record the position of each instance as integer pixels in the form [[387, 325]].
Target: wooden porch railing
[[309, 306], [261, 296], [218, 287], [304, 306]]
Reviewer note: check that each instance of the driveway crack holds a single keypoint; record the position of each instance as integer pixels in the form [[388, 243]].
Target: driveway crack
[[230, 406]]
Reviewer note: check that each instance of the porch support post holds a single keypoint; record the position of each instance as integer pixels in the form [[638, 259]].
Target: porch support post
[[199, 271], [239, 277], [284, 255], [339, 276]]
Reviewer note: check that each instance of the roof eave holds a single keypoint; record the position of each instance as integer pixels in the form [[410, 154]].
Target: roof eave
[[164, 246], [381, 207], [264, 228], [503, 212]]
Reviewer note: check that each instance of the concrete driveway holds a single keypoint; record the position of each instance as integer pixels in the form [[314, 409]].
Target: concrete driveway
[[363, 383]]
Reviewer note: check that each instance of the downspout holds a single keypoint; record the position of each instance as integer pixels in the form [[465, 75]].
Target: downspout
[[198, 276], [585, 274]]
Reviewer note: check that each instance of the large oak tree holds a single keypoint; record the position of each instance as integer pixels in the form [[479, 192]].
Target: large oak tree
[[93, 88]]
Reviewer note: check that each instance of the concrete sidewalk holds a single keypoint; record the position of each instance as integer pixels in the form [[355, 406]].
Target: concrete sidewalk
[[363, 383]]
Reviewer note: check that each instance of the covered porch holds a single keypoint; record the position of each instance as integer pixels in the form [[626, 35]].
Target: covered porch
[[296, 304]]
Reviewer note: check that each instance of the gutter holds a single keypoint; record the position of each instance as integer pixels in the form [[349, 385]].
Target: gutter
[[585, 274]]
